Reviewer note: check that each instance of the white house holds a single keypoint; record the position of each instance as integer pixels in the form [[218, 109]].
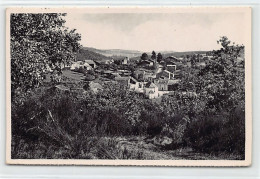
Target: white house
[[167, 75], [80, 64], [151, 90], [76, 65], [91, 63], [125, 60]]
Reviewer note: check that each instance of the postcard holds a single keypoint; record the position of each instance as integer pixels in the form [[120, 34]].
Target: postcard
[[132, 86]]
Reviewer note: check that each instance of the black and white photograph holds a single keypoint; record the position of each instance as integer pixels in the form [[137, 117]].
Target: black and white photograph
[[129, 86]]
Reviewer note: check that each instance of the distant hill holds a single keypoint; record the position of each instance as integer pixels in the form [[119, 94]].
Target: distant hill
[[100, 54], [166, 54], [85, 54], [115, 52], [180, 54]]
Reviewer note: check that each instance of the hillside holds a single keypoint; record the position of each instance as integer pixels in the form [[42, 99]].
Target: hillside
[[180, 54], [168, 53], [115, 52], [85, 54], [99, 54]]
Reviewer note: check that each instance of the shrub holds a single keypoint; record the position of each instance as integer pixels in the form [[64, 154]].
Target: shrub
[[89, 77], [218, 133]]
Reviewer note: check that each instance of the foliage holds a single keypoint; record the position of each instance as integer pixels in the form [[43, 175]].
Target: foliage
[[218, 133], [144, 56], [223, 78], [84, 54], [159, 57], [206, 113], [39, 42], [153, 55]]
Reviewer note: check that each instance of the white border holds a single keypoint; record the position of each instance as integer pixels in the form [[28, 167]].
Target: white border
[[246, 162]]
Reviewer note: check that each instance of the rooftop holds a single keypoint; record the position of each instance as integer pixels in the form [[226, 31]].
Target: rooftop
[[122, 78], [90, 61], [150, 85]]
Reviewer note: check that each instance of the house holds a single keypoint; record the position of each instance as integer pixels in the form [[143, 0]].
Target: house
[[108, 61], [131, 83], [203, 55], [91, 63], [151, 90], [171, 68], [166, 75], [123, 80], [108, 74], [145, 63], [161, 84], [125, 61], [170, 63], [80, 64], [151, 62], [87, 66], [149, 76], [116, 74], [76, 65], [124, 72], [171, 59], [104, 61], [135, 85], [139, 74], [144, 75], [177, 74], [63, 65]]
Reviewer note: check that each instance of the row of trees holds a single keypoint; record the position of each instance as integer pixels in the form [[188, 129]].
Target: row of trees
[[153, 56]]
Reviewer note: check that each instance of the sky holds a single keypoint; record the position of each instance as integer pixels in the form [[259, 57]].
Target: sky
[[157, 31]]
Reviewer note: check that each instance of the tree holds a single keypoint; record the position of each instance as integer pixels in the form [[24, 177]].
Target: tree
[[153, 55], [159, 57], [224, 42], [223, 77], [193, 61], [144, 56], [39, 42]]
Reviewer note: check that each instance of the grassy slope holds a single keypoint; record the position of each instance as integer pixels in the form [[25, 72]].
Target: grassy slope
[[90, 55], [176, 54], [179, 54], [114, 52]]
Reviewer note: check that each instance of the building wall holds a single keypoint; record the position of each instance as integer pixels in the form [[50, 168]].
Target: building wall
[[162, 87], [155, 93], [168, 75]]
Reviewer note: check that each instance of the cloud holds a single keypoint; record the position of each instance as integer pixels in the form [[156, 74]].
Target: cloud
[[159, 32]]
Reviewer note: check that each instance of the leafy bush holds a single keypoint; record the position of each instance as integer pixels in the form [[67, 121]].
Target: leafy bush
[[66, 123], [218, 133]]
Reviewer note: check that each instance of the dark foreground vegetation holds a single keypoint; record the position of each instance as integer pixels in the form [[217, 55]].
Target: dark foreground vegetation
[[115, 123], [54, 124]]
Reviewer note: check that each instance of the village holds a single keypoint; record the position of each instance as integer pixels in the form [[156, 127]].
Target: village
[[150, 77]]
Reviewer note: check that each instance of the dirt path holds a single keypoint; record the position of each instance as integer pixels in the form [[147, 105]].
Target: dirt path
[[146, 150], [141, 148]]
